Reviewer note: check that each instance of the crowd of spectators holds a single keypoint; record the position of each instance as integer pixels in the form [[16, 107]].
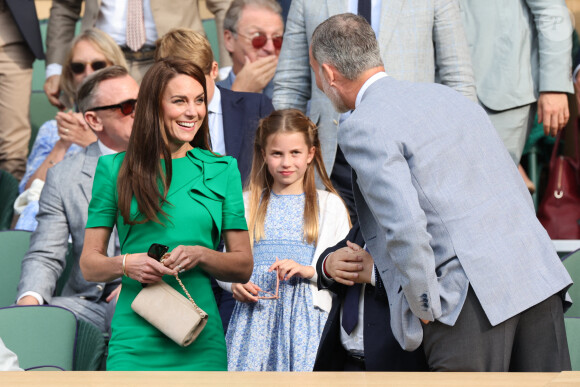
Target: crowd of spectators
[[293, 115]]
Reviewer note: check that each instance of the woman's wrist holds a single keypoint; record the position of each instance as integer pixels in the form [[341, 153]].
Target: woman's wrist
[[124, 265], [62, 146]]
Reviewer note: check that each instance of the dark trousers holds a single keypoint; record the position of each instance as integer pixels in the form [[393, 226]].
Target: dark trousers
[[532, 341]]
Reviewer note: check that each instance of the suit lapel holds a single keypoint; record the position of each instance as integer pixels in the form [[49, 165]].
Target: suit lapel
[[92, 154], [390, 11], [232, 122]]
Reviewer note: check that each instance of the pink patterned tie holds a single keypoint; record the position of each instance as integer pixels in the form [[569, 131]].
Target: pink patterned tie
[[135, 25]]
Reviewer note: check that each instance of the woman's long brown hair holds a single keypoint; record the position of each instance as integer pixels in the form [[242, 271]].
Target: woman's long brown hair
[[260, 185], [141, 175]]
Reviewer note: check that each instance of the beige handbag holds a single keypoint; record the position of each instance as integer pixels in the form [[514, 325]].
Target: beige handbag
[[167, 310]]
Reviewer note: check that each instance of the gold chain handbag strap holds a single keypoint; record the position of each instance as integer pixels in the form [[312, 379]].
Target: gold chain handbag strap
[[200, 311]]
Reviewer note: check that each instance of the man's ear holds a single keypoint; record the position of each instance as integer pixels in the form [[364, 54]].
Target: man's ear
[[229, 41], [94, 122], [329, 72]]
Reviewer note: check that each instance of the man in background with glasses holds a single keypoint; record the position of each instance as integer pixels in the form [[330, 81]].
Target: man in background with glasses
[[253, 33], [107, 100]]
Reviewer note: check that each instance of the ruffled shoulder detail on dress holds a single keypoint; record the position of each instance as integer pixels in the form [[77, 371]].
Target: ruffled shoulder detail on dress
[[210, 189]]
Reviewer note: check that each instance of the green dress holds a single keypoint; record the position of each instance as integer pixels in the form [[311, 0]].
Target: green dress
[[205, 198]]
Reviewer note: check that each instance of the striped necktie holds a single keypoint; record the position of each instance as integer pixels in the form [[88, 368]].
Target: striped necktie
[[135, 25]]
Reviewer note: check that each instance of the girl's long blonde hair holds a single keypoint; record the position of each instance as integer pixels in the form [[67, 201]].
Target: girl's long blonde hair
[[260, 184]]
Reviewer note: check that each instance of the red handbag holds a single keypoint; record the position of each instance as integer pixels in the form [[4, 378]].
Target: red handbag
[[559, 210]]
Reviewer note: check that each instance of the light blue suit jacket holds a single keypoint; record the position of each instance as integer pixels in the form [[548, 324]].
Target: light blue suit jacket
[[441, 206], [519, 48], [415, 39], [64, 204]]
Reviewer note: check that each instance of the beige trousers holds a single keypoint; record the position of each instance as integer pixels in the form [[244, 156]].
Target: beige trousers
[[15, 88]]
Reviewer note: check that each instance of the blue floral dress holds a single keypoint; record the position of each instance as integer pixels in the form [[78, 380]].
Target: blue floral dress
[[282, 334]]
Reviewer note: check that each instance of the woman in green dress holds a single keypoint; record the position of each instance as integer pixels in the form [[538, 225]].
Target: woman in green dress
[[168, 188]]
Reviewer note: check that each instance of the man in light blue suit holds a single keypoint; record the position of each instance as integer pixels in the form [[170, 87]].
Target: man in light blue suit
[[421, 41], [521, 53], [64, 204], [468, 269]]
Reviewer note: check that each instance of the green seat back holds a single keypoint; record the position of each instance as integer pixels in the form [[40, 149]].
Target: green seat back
[[40, 111], [90, 347], [8, 194], [13, 246], [573, 333], [40, 335], [572, 264]]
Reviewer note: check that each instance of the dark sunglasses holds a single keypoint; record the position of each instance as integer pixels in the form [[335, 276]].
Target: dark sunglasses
[[79, 68], [127, 107], [259, 40]]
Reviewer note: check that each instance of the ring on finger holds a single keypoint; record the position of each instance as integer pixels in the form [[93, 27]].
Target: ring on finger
[[65, 130], [178, 267]]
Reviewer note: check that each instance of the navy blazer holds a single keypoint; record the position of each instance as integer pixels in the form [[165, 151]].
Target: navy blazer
[[382, 351], [24, 14], [241, 115]]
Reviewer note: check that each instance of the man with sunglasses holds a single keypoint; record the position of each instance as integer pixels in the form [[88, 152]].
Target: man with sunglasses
[[107, 99], [253, 33]]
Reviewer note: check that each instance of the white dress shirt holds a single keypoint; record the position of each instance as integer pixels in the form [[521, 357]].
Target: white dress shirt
[[215, 121], [112, 19]]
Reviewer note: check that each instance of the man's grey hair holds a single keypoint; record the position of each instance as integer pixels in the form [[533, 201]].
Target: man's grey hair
[[347, 42], [88, 89], [235, 11]]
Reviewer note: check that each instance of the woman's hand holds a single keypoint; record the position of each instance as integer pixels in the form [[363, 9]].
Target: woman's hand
[[247, 292], [183, 258], [73, 129], [145, 269], [288, 268]]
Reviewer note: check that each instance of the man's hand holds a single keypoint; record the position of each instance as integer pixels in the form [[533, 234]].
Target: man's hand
[[254, 76], [27, 300], [350, 265], [114, 294], [553, 112], [367, 262], [52, 91]]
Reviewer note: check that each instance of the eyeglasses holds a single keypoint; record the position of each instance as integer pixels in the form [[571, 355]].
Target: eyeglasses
[[79, 67], [271, 296], [259, 40], [127, 107]]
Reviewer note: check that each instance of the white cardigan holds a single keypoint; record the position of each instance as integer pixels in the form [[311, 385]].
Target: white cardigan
[[332, 228]]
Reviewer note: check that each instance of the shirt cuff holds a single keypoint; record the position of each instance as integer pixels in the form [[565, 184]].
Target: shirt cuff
[[227, 286], [53, 69], [327, 278], [373, 278], [33, 294]]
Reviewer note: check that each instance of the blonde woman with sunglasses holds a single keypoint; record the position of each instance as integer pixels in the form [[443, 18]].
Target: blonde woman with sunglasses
[[68, 133]]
